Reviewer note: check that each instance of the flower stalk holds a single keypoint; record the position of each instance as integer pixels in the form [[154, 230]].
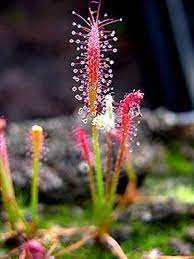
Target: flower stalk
[[9, 200], [108, 162], [129, 169], [6, 183], [118, 165], [37, 139], [83, 143], [97, 158]]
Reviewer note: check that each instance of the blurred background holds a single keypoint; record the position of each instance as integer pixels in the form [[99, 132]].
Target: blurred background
[[155, 54]]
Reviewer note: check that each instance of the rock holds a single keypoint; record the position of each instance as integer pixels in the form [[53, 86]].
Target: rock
[[165, 211], [153, 212], [190, 211], [153, 254], [77, 211], [181, 248], [190, 234], [167, 125], [121, 233], [63, 173]]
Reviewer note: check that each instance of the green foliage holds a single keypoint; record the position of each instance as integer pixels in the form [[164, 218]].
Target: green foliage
[[144, 237], [65, 215], [183, 193], [178, 164]]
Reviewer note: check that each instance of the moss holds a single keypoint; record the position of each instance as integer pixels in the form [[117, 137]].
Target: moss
[[177, 183], [152, 235], [178, 164], [183, 193], [144, 237]]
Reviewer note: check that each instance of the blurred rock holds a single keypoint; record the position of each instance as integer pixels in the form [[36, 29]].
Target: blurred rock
[[77, 211], [166, 211], [153, 212], [190, 234], [191, 211], [121, 232], [153, 254], [166, 124], [63, 174], [181, 248]]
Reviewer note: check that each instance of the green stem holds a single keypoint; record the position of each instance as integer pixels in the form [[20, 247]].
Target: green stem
[[34, 190], [130, 191], [9, 199], [99, 176], [130, 169], [91, 179], [108, 162]]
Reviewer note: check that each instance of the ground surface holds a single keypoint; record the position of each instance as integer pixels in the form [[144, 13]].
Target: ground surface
[[143, 228], [146, 232]]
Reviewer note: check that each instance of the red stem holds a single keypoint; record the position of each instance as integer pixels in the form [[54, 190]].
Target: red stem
[[118, 164], [90, 173]]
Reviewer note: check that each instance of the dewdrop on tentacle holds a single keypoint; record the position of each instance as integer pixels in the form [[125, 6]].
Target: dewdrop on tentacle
[[106, 121], [126, 117], [92, 66]]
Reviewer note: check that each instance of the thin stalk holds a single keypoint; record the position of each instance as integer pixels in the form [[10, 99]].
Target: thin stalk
[[37, 139], [34, 190], [52, 248], [11, 253], [99, 176], [118, 165], [108, 162], [5, 163], [91, 183], [91, 177], [130, 169], [114, 247], [9, 199], [82, 140], [130, 195], [130, 192], [5, 159], [75, 246]]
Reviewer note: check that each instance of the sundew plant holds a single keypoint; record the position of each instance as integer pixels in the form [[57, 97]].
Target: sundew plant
[[118, 121], [16, 219], [23, 226], [93, 74]]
